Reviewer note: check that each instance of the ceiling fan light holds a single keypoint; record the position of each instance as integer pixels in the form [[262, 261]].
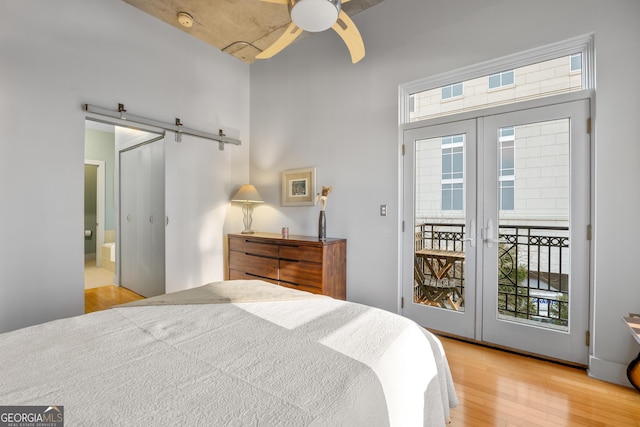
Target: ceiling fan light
[[315, 15]]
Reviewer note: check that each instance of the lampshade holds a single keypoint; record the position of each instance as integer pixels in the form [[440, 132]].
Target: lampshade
[[315, 15], [247, 194]]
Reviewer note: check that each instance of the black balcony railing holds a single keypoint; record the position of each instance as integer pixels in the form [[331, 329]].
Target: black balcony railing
[[533, 267]]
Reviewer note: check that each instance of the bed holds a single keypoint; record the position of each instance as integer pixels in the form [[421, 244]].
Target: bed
[[231, 353]]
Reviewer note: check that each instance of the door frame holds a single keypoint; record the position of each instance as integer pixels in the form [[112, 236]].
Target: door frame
[[406, 217], [124, 124]]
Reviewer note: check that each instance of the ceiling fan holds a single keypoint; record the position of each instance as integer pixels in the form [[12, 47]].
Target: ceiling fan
[[316, 16]]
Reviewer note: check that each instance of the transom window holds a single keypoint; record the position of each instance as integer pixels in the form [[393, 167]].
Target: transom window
[[538, 73]]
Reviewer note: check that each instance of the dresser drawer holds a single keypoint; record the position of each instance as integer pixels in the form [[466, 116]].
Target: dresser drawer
[[302, 253], [254, 265], [301, 272], [254, 247], [312, 289], [243, 275]]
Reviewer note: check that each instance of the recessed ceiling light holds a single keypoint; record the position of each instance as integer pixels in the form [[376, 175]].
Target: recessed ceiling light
[[185, 19]]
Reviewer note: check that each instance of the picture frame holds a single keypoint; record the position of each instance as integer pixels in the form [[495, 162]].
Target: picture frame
[[299, 187]]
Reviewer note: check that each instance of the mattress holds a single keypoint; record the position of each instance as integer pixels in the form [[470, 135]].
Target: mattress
[[232, 353]]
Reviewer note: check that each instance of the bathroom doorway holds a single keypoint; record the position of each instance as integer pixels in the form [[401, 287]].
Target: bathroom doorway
[[105, 253], [93, 208], [99, 210]]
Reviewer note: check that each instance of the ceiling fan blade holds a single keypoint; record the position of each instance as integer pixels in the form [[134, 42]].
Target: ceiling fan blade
[[349, 33], [292, 32]]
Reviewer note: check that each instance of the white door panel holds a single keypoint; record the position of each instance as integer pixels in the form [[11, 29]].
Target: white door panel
[[440, 250], [537, 298]]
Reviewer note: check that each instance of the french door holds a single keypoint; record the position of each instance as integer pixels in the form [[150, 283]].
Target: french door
[[440, 199], [495, 246]]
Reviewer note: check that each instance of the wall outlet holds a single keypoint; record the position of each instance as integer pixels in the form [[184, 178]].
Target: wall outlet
[[383, 210]]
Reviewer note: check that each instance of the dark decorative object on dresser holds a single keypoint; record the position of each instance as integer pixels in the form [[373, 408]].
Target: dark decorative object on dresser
[[322, 226], [322, 220], [301, 262]]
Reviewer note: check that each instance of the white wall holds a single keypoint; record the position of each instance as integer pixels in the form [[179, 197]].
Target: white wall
[[311, 107], [55, 56]]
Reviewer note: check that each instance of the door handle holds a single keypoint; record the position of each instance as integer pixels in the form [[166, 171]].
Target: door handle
[[488, 235], [472, 233]]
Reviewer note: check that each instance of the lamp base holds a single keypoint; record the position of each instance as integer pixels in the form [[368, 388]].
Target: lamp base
[[247, 211]]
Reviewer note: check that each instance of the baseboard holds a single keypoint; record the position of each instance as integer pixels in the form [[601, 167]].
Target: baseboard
[[606, 370]]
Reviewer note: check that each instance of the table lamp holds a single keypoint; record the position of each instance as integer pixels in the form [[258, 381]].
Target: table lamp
[[248, 195]]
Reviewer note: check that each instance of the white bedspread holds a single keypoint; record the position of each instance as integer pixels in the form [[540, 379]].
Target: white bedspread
[[291, 362]]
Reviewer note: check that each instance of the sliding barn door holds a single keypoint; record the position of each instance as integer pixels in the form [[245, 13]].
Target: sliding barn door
[[142, 219]]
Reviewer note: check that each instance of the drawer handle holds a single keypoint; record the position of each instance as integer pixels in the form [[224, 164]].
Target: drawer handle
[[290, 283], [272, 244], [259, 242], [260, 256]]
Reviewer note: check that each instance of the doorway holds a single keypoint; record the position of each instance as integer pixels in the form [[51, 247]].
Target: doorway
[[104, 143], [100, 223], [96, 268], [498, 209], [94, 175]]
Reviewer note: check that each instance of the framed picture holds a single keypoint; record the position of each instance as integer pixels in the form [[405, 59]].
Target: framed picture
[[299, 187]]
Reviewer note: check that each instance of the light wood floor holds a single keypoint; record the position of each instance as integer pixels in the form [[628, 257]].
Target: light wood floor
[[105, 297], [497, 388]]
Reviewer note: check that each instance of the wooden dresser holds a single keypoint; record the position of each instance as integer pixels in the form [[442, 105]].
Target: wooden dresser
[[300, 262]]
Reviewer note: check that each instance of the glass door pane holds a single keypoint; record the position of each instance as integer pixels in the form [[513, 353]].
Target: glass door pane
[[439, 222], [439, 175], [534, 251], [535, 215]]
